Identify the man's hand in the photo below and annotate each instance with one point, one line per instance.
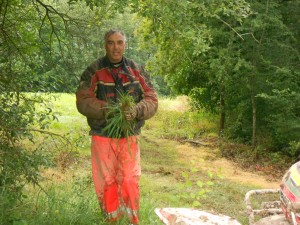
(131, 113)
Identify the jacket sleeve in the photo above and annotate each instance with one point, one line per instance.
(86, 100)
(147, 107)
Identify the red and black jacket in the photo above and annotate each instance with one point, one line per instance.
(101, 84)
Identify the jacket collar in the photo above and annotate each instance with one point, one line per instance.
(124, 66)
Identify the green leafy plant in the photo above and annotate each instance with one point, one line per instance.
(117, 125)
(196, 190)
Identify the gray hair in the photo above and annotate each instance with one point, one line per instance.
(113, 31)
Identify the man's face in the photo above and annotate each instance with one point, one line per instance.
(115, 46)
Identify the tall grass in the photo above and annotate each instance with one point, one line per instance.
(71, 201)
(175, 120)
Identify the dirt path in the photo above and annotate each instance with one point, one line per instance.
(207, 156)
(207, 159)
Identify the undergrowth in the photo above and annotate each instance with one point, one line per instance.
(259, 160)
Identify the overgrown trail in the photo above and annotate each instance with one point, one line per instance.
(165, 161)
(206, 154)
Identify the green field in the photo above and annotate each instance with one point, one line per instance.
(170, 176)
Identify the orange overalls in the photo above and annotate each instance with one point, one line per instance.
(116, 172)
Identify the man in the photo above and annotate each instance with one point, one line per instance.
(115, 164)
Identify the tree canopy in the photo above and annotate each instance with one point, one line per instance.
(238, 59)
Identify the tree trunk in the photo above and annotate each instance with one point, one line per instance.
(253, 115)
(222, 114)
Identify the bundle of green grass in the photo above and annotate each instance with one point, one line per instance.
(116, 124)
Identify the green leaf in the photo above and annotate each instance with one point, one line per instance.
(188, 184)
(185, 174)
(180, 186)
(210, 174)
(209, 183)
(196, 204)
(199, 184)
(193, 195)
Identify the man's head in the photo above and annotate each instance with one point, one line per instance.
(115, 42)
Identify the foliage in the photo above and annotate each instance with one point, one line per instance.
(18, 167)
(196, 190)
(32, 40)
(294, 150)
(25, 147)
(184, 125)
(117, 125)
(260, 159)
(236, 59)
(69, 202)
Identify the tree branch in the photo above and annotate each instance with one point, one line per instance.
(252, 36)
(235, 31)
(49, 12)
(227, 24)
